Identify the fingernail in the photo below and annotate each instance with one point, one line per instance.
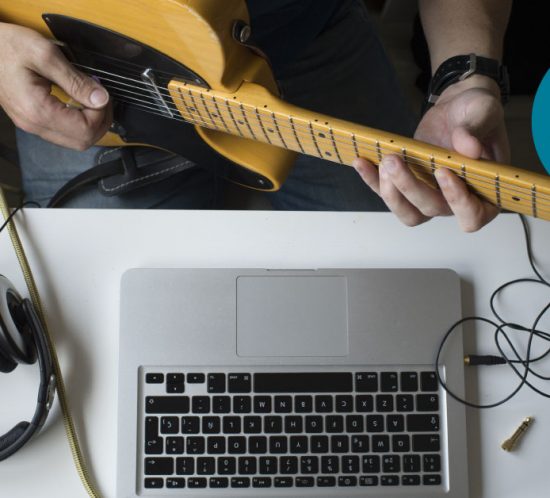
(389, 165)
(99, 97)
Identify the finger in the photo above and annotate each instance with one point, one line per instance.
(426, 200)
(397, 202)
(465, 143)
(50, 63)
(471, 212)
(82, 127)
(78, 142)
(477, 127)
(61, 138)
(368, 172)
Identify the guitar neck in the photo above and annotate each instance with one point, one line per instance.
(254, 113)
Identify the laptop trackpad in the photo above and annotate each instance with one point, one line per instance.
(292, 316)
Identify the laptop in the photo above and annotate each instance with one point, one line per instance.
(247, 382)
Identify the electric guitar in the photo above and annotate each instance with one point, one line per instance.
(183, 78)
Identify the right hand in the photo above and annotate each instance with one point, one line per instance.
(29, 64)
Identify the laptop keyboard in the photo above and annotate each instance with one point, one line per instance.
(362, 428)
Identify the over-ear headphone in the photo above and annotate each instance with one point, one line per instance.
(22, 340)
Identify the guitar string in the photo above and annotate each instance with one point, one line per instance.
(490, 188)
(488, 193)
(173, 107)
(503, 188)
(308, 134)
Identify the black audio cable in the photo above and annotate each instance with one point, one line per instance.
(521, 365)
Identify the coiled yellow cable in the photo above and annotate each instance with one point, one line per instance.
(72, 437)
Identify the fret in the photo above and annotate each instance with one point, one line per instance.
(261, 123)
(379, 151)
(314, 140)
(432, 164)
(355, 147)
(367, 150)
(245, 117)
(497, 189)
(205, 106)
(190, 114)
(323, 144)
(534, 200)
(232, 116)
(219, 114)
(463, 171)
(279, 134)
(404, 155)
(302, 150)
(195, 107)
(335, 146)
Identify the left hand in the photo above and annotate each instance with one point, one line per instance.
(467, 118)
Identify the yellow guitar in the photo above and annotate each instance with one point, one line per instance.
(183, 79)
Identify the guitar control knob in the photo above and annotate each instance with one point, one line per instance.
(241, 31)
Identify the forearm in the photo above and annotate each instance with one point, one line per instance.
(455, 27)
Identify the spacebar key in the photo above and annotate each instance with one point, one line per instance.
(303, 382)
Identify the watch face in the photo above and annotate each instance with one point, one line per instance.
(540, 121)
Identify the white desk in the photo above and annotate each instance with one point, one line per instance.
(78, 258)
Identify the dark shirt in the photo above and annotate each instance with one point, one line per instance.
(284, 28)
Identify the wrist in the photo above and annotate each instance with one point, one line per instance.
(463, 72)
(475, 81)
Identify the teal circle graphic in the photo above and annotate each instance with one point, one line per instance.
(540, 121)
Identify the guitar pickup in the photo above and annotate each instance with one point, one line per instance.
(149, 78)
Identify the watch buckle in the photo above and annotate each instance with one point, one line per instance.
(472, 69)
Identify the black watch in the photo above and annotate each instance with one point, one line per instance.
(459, 68)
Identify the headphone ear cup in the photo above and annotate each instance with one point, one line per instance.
(16, 337)
(7, 365)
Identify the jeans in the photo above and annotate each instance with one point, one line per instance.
(344, 73)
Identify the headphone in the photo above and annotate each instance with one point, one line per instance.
(23, 340)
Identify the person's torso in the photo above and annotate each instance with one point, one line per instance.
(283, 28)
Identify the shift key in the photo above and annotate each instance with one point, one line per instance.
(167, 404)
(423, 423)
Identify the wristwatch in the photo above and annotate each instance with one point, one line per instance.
(460, 67)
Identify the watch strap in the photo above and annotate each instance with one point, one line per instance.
(460, 67)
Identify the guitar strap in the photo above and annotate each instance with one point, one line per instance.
(123, 169)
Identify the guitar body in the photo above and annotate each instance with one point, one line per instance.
(193, 41)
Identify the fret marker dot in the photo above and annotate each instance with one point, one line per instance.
(328, 154)
(240, 122)
(322, 135)
(271, 130)
(516, 199)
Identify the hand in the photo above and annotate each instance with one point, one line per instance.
(29, 63)
(467, 118)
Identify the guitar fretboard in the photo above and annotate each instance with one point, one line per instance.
(255, 114)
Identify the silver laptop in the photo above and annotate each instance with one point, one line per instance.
(240, 382)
